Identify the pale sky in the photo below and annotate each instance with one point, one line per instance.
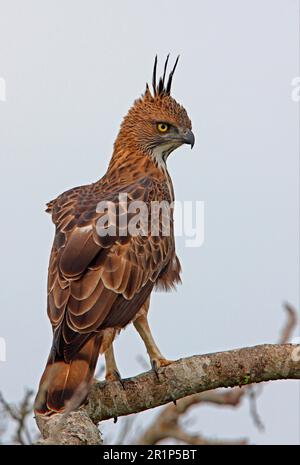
(72, 69)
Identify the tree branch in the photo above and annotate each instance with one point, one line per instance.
(19, 414)
(182, 378)
(167, 424)
(290, 324)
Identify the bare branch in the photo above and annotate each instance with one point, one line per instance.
(252, 393)
(182, 436)
(166, 425)
(290, 324)
(284, 338)
(180, 379)
(74, 428)
(190, 375)
(19, 414)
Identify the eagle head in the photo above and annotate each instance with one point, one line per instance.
(156, 124)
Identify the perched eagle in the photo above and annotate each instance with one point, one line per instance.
(98, 282)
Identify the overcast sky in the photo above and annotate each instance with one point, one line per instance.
(72, 69)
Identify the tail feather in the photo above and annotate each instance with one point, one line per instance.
(65, 384)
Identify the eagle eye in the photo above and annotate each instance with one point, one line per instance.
(163, 127)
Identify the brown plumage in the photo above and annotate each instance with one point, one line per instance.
(98, 284)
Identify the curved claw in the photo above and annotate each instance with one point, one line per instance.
(155, 368)
(114, 376)
(157, 363)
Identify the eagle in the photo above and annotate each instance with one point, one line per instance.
(100, 280)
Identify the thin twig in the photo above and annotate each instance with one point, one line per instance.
(19, 413)
(290, 324)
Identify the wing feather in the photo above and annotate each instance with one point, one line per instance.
(97, 282)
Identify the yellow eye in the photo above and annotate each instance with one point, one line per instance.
(162, 127)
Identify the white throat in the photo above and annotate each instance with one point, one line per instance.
(160, 154)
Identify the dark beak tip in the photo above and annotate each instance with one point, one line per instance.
(191, 139)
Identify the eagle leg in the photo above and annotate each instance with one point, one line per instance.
(157, 360)
(112, 373)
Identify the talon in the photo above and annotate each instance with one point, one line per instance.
(157, 363)
(114, 376)
(163, 362)
(111, 376)
(154, 364)
(119, 378)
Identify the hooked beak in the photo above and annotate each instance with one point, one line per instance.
(189, 138)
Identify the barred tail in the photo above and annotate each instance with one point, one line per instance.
(65, 385)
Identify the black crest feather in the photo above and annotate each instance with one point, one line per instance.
(161, 88)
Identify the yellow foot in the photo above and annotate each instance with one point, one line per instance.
(162, 362)
(157, 363)
(114, 376)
